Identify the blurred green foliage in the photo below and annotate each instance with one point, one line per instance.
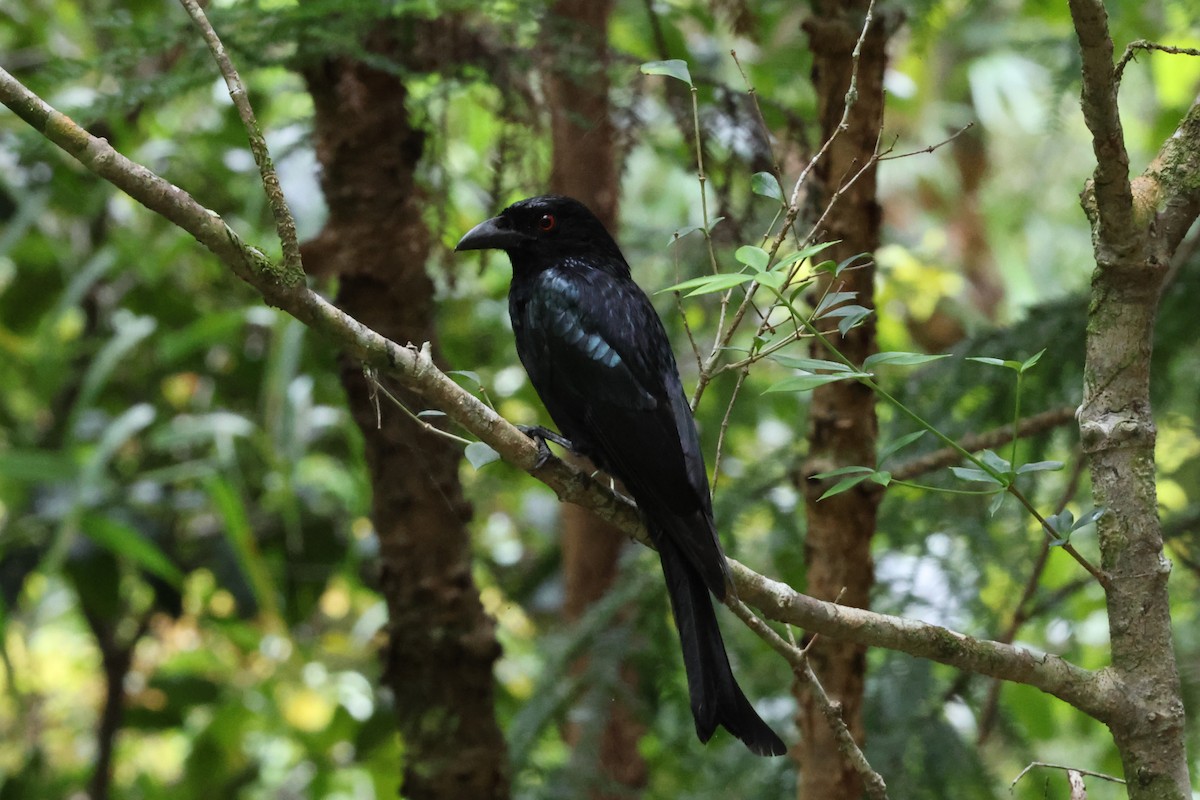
(179, 477)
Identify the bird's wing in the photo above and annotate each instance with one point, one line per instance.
(599, 357)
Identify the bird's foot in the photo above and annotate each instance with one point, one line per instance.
(612, 482)
(542, 435)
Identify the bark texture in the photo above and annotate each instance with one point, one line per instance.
(1136, 227)
(584, 166)
(843, 426)
(441, 648)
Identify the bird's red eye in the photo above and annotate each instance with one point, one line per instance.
(547, 222)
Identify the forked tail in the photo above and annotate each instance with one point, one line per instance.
(716, 697)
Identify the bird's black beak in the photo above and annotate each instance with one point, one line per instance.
(492, 234)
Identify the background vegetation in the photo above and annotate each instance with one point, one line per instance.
(188, 567)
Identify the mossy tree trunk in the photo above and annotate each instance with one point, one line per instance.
(441, 645)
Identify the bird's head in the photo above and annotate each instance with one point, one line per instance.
(541, 230)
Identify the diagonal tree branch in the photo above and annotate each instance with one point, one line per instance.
(1095, 693)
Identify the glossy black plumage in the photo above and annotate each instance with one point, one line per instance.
(598, 356)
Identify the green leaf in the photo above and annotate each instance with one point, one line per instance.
(799, 285)
(851, 316)
(480, 454)
(676, 68)
(123, 540)
(1089, 518)
(843, 485)
(998, 463)
(707, 284)
(830, 300)
(1016, 366)
(882, 477)
(972, 474)
(851, 470)
(753, 256)
(1033, 359)
(896, 445)
(473, 377)
(808, 381)
(1062, 521)
(841, 266)
(1062, 524)
(813, 249)
(997, 501)
(900, 359)
(773, 279)
(810, 364)
(1040, 466)
(995, 362)
(682, 232)
(767, 185)
(806, 252)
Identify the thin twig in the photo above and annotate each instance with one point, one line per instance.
(872, 781)
(373, 394)
(687, 328)
(794, 270)
(703, 179)
(284, 224)
(1024, 609)
(776, 170)
(725, 335)
(929, 148)
(842, 188)
(737, 387)
(1131, 49)
(949, 456)
(1102, 776)
(378, 388)
(1008, 485)
(812, 639)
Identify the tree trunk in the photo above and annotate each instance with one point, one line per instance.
(583, 166)
(438, 662)
(1136, 228)
(843, 426)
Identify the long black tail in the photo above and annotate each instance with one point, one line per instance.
(716, 697)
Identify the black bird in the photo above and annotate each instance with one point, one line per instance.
(599, 358)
